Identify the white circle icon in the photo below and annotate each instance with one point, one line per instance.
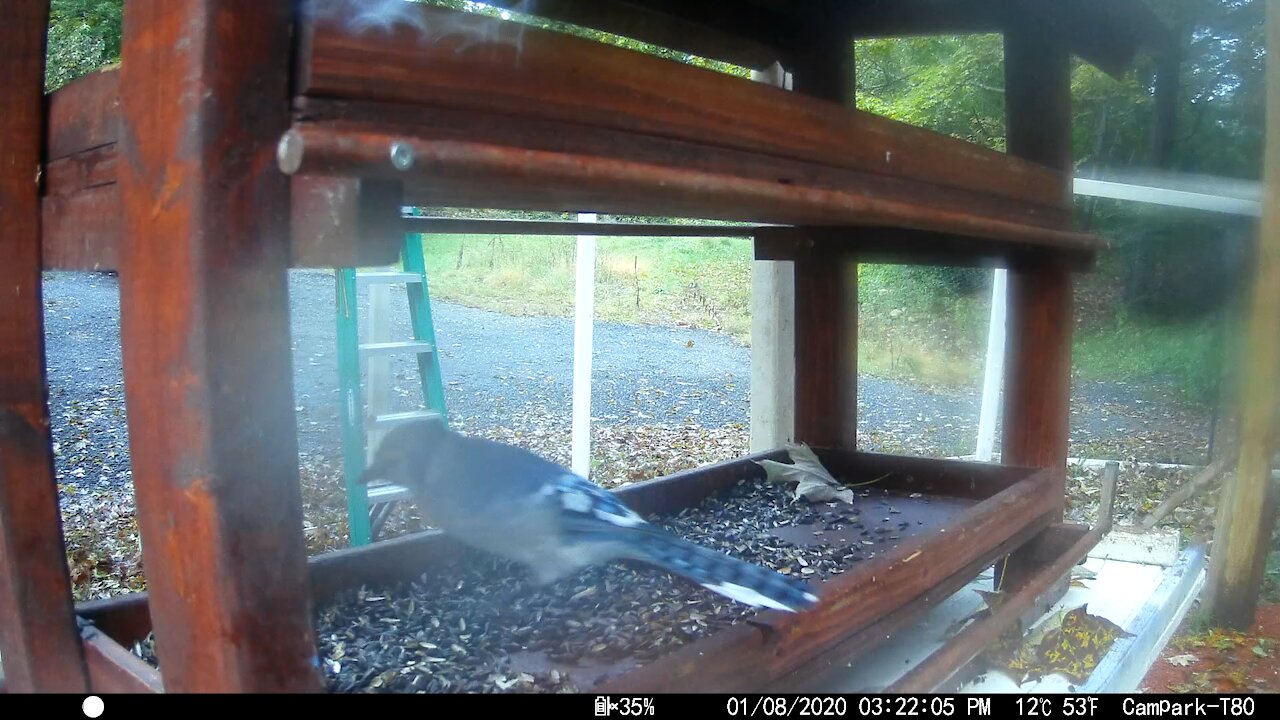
(92, 706)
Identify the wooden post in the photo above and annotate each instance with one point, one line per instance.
(773, 337)
(204, 92)
(826, 293)
(1036, 421)
(39, 642)
(1246, 511)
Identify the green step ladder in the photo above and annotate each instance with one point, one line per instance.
(369, 507)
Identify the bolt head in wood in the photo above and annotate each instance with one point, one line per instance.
(401, 155)
(289, 152)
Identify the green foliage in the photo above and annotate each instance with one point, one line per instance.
(84, 35)
(952, 85)
(600, 36)
(1222, 93)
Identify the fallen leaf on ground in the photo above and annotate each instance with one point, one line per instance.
(1070, 646)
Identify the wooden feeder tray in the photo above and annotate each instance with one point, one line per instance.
(949, 521)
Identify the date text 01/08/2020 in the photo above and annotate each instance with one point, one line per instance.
(860, 705)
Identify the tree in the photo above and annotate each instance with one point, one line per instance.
(84, 35)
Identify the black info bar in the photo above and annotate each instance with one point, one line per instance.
(718, 705)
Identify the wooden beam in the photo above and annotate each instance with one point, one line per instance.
(84, 114)
(81, 231)
(753, 654)
(477, 226)
(1038, 382)
(935, 670)
(1187, 490)
(488, 66)
(205, 329)
(1037, 388)
(1246, 511)
(826, 307)
(113, 669)
(39, 641)
(876, 244)
(819, 389)
(463, 159)
(345, 222)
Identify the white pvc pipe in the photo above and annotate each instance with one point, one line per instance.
(583, 315)
(1167, 196)
(995, 366)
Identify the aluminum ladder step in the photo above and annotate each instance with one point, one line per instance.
(379, 494)
(417, 347)
(390, 420)
(388, 277)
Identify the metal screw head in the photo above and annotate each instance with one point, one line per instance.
(401, 155)
(289, 152)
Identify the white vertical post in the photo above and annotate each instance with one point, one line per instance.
(583, 316)
(995, 366)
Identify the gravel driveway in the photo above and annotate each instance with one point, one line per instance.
(495, 365)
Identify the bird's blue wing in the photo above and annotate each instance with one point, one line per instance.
(586, 507)
(504, 477)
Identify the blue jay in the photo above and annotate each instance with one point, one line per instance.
(516, 505)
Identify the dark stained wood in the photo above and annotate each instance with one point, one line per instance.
(340, 222)
(826, 296)
(81, 171)
(81, 211)
(879, 244)
(1037, 385)
(205, 327)
(481, 160)
(39, 643)
(952, 478)
(939, 667)
(81, 206)
(468, 226)
(484, 65)
(819, 397)
(124, 618)
(113, 669)
(81, 231)
(84, 114)
(747, 657)
(813, 676)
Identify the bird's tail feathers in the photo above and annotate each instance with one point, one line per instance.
(735, 579)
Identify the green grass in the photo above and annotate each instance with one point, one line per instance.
(702, 282)
(907, 333)
(1186, 354)
(913, 326)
